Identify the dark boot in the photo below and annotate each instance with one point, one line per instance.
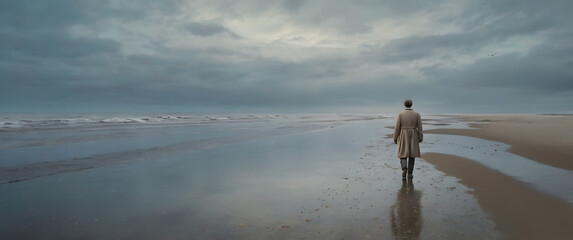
(411, 167)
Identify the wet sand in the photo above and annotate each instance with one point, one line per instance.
(289, 178)
(519, 211)
(543, 138)
(309, 177)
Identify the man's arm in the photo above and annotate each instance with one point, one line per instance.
(420, 130)
(397, 129)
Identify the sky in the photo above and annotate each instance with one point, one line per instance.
(448, 56)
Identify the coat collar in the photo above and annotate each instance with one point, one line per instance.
(408, 108)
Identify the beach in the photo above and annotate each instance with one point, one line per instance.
(293, 176)
(543, 138)
(517, 208)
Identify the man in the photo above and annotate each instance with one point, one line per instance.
(408, 134)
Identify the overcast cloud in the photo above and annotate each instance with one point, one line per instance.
(286, 56)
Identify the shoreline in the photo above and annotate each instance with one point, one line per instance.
(520, 211)
(542, 138)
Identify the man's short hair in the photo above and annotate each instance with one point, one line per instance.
(408, 102)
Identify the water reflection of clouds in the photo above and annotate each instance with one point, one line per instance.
(336, 183)
(554, 181)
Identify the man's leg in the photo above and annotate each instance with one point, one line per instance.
(411, 165)
(404, 165)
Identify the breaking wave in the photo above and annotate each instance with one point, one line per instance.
(55, 121)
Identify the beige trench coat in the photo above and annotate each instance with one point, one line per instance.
(408, 133)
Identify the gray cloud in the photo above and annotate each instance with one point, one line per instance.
(121, 56)
(499, 30)
(54, 44)
(209, 29)
(56, 14)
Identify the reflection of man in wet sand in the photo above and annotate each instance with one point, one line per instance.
(408, 222)
(407, 134)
